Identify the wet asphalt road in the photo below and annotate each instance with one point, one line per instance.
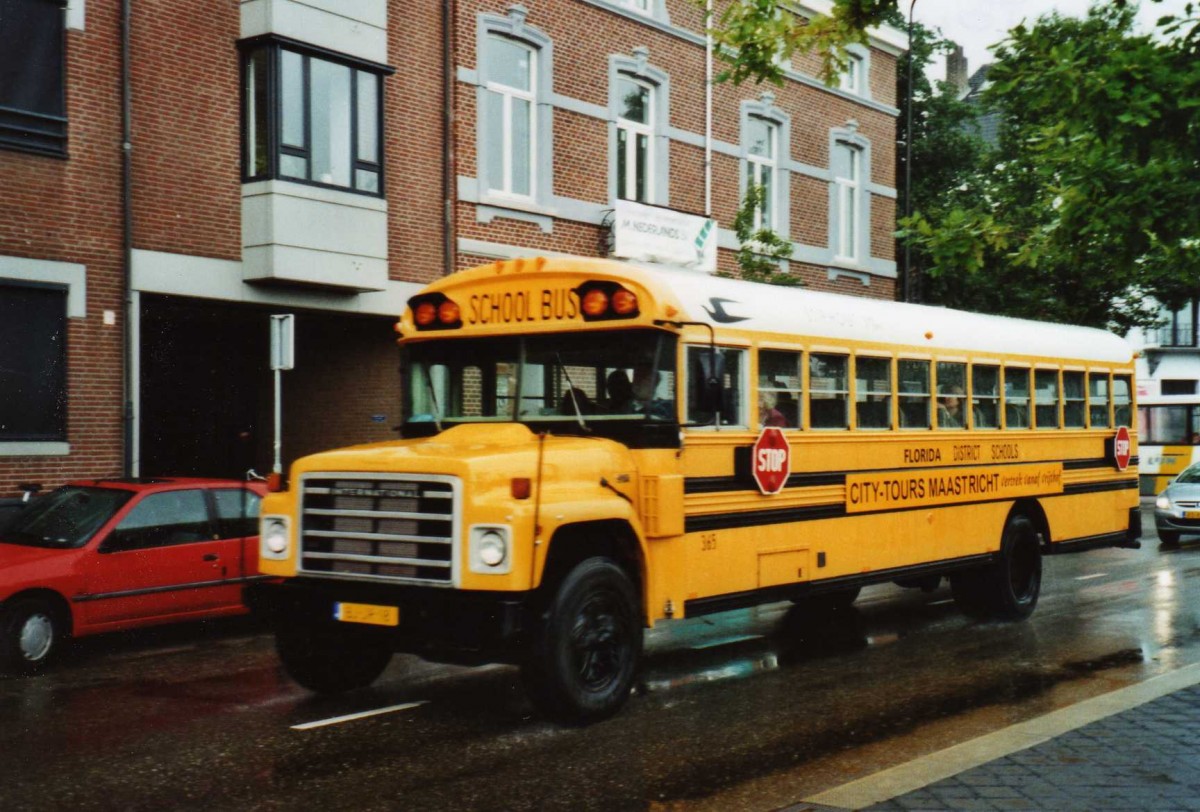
(750, 710)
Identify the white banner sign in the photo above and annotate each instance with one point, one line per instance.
(651, 234)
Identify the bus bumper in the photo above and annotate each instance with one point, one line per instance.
(438, 624)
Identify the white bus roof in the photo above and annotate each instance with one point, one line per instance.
(734, 303)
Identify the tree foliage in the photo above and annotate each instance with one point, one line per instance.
(1088, 205)
(945, 149)
(757, 36)
(761, 250)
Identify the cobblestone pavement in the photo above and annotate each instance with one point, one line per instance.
(1143, 759)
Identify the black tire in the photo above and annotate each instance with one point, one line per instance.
(1007, 589)
(1168, 539)
(586, 645)
(31, 634)
(331, 661)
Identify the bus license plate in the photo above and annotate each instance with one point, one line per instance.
(1191, 514)
(367, 613)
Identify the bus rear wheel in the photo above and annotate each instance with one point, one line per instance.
(586, 645)
(1008, 588)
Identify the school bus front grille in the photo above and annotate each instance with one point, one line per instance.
(379, 527)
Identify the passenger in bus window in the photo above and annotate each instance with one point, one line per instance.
(768, 415)
(950, 414)
(575, 399)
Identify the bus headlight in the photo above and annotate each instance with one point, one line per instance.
(1163, 502)
(274, 538)
(490, 549)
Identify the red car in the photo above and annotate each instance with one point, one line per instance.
(106, 555)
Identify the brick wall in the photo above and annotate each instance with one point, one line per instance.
(346, 374)
(186, 128)
(584, 36)
(413, 139)
(69, 211)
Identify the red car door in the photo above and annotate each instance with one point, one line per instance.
(163, 560)
(236, 511)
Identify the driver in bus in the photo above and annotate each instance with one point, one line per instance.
(645, 385)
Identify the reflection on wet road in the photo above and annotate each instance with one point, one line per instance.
(750, 710)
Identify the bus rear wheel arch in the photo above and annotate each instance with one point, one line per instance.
(1008, 588)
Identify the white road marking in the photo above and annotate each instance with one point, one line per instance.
(352, 716)
(941, 602)
(1090, 577)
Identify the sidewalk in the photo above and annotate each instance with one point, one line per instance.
(1136, 749)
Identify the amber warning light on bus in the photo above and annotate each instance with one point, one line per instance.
(602, 301)
(433, 311)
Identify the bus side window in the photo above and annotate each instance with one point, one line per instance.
(779, 388)
(1046, 397)
(730, 366)
(873, 392)
(828, 391)
(1073, 400)
(1098, 400)
(952, 392)
(985, 391)
(1122, 399)
(1016, 398)
(914, 394)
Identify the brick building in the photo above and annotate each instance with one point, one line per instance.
(173, 173)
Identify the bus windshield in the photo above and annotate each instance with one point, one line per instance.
(579, 382)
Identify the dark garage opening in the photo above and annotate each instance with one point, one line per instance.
(207, 388)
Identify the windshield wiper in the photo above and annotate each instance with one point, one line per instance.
(571, 393)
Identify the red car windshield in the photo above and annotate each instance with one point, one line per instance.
(66, 517)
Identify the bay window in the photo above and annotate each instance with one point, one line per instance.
(312, 116)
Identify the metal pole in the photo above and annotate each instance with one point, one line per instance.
(910, 293)
(708, 107)
(277, 465)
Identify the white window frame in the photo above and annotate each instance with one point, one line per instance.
(507, 94)
(852, 78)
(849, 202)
(758, 167)
(640, 6)
(633, 129)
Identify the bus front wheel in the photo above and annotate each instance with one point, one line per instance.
(1008, 588)
(586, 645)
(330, 661)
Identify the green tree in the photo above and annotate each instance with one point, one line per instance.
(761, 250)
(755, 35)
(1087, 207)
(945, 149)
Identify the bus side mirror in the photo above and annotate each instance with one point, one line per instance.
(711, 374)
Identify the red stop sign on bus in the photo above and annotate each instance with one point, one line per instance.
(1121, 448)
(771, 460)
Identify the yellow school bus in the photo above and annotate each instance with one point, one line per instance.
(591, 448)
